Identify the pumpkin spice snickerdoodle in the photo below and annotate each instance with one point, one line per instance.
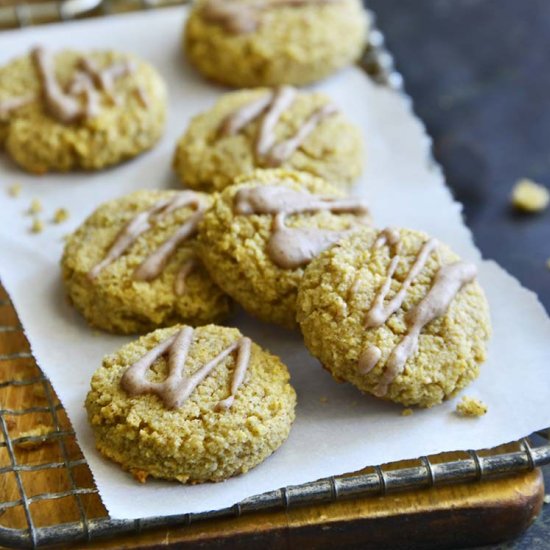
(248, 43)
(397, 314)
(262, 232)
(192, 405)
(132, 265)
(72, 110)
(269, 128)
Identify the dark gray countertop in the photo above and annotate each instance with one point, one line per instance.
(478, 73)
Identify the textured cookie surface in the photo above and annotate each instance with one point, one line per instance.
(336, 311)
(234, 247)
(284, 44)
(209, 161)
(126, 111)
(197, 441)
(115, 300)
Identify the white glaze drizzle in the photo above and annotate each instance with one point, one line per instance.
(272, 106)
(273, 199)
(388, 236)
(153, 265)
(448, 281)
(369, 359)
(62, 106)
(285, 149)
(232, 17)
(10, 104)
(380, 312)
(142, 222)
(282, 100)
(179, 282)
(237, 18)
(66, 106)
(177, 387)
(106, 77)
(236, 121)
(83, 84)
(143, 96)
(243, 360)
(290, 248)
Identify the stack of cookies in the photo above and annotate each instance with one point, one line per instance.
(265, 221)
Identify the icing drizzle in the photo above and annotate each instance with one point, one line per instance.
(177, 387)
(66, 106)
(143, 96)
(285, 149)
(179, 282)
(153, 265)
(271, 106)
(239, 18)
(281, 101)
(447, 282)
(380, 312)
(369, 359)
(290, 248)
(105, 79)
(11, 104)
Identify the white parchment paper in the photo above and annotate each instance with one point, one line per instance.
(349, 431)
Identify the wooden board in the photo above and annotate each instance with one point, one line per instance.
(457, 515)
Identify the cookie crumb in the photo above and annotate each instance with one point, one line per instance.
(471, 407)
(61, 215)
(407, 412)
(37, 226)
(530, 196)
(546, 499)
(323, 399)
(35, 207)
(39, 430)
(15, 190)
(139, 475)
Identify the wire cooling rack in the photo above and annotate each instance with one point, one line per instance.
(62, 466)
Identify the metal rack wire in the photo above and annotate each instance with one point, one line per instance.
(472, 466)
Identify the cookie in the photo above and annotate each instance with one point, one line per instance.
(132, 265)
(191, 405)
(262, 232)
(269, 128)
(248, 43)
(74, 110)
(397, 314)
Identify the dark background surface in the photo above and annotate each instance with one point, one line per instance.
(479, 75)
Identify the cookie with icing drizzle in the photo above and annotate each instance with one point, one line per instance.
(191, 405)
(132, 266)
(262, 232)
(397, 314)
(248, 43)
(269, 128)
(69, 110)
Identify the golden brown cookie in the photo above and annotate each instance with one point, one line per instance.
(262, 231)
(190, 405)
(247, 43)
(397, 314)
(132, 265)
(269, 128)
(72, 110)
